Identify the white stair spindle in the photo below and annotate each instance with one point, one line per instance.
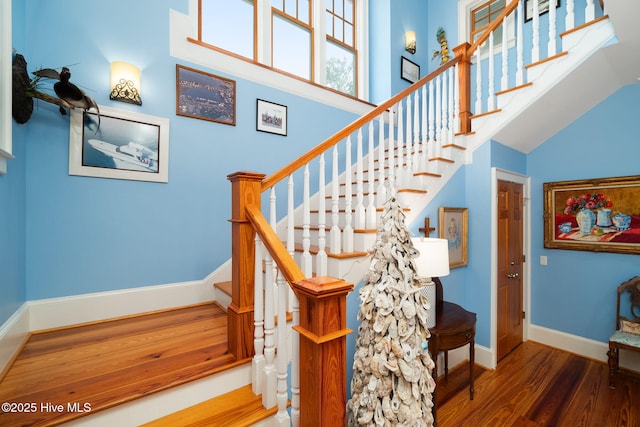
(444, 133)
(408, 144)
(437, 149)
(456, 99)
(295, 360)
(381, 197)
(519, 44)
(335, 235)
(291, 236)
(535, 47)
(400, 182)
(551, 45)
(258, 362)
(491, 93)
(450, 109)
(504, 80)
(590, 11)
(371, 202)
(570, 19)
(431, 123)
(424, 157)
(307, 262)
(269, 379)
(360, 215)
(321, 256)
(416, 133)
(391, 149)
(347, 233)
(478, 109)
(282, 416)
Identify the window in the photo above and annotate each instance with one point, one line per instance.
(314, 40)
(484, 15)
(474, 16)
(291, 46)
(341, 54)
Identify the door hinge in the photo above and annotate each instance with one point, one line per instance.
(524, 316)
(524, 258)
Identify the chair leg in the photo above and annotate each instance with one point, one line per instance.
(613, 364)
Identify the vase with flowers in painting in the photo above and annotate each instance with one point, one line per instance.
(583, 208)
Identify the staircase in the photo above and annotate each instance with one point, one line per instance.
(324, 206)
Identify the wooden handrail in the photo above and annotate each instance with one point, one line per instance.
(276, 177)
(286, 264)
(493, 26)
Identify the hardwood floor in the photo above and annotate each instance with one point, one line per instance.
(100, 365)
(537, 386)
(108, 363)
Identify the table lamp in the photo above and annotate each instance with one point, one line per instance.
(432, 261)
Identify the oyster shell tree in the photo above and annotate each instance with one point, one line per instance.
(392, 383)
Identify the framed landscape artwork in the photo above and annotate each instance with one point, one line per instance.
(205, 96)
(119, 144)
(409, 71)
(600, 214)
(453, 224)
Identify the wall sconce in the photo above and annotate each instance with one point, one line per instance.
(125, 83)
(433, 261)
(410, 41)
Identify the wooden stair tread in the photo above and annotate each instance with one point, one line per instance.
(313, 249)
(224, 287)
(238, 408)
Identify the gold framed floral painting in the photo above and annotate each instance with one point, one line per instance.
(453, 225)
(600, 214)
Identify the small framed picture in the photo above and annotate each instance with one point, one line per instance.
(410, 71)
(205, 96)
(271, 117)
(119, 144)
(453, 224)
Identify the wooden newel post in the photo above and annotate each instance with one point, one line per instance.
(464, 83)
(246, 189)
(323, 331)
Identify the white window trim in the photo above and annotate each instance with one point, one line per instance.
(183, 26)
(464, 25)
(5, 85)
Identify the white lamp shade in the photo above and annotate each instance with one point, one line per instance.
(433, 259)
(124, 71)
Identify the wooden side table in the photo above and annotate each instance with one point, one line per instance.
(454, 328)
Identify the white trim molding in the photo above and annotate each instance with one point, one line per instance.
(6, 55)
(13, 334)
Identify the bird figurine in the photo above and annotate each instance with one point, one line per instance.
(71, 96)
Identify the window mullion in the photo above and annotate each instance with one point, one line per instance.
(263, 32)
(319, 37)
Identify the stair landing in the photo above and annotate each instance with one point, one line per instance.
(68, 373)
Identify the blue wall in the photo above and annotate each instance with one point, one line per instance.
(89, 234)
(387, 27)
(575, 292)
(13, 285)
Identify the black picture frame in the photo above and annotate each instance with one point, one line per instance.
(409, 70)
(271, 117)
(543, 7)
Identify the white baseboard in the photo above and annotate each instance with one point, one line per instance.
(65, 311)
(13, 334)
(581, 346)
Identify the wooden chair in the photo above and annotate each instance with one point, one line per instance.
(627, 334)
